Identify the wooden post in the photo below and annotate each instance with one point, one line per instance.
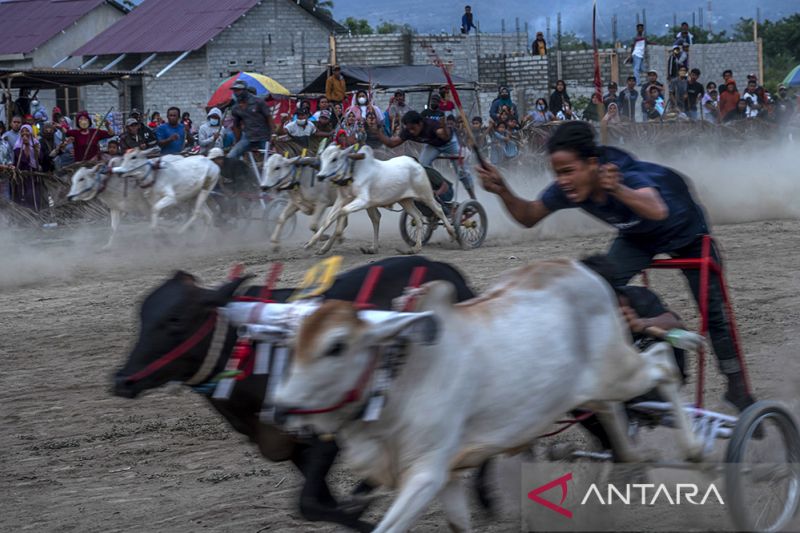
(332, 46)
(760, 44)
(615, 67)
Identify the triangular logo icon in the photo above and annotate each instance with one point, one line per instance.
(558, 482)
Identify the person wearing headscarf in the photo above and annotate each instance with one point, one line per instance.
(26, 158)
(612, 114)
(503, 99)
(86, 139)
(361, 105)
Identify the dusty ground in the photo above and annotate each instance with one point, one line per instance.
(75, 458)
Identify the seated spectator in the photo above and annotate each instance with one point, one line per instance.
(361, 104)
(394, 113)
(627, 100)
(325, 130)
(323, 104)
(466, 21)
(694, 91)
(434, 110)
(728, 98)
(301, 129)
(172, 134)
(684, 35)
(503, 99)
(134, 138)
(738, 113)
(502, 147)
(60, 120)
(539, 45)
(559, 97)
(370, 138)
(335, 87)
(540, 114)
(592, 111)
(212, 133)
(611, 96)
(710, 104)
(85, 139)
(112, 150)
(567, 113)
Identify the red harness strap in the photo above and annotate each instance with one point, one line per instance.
(178, 351)
(353, 395)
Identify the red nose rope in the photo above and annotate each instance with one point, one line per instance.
(178, 351)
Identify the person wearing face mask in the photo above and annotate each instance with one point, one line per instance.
(301, 129)
(503, 99)
(361, 105)
(212, 133)
(540, 115)
(85, 139)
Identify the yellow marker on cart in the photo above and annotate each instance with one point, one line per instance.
(318, 279)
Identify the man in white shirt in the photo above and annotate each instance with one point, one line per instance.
(684, 34)
(638, 49)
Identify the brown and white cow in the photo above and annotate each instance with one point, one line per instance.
(548, 338)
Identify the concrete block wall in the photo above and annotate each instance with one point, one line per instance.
(373, 50)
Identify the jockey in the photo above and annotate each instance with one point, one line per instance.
(438, 138)
(653, 209)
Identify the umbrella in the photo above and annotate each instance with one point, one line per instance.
(793, 79)
(262, 84)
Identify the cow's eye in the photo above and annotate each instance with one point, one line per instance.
(335, 350)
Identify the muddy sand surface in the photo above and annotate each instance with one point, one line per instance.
(75, 458)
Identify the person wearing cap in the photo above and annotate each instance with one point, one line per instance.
(611, 96)
(323, 104)
(335, 86)
(503, 99)
(728, 97)
(627, 100)
(539, 45)
(133, 136)
(211, 133)
(252, 121)
(674, 63)
(783, 107)
(652, 208)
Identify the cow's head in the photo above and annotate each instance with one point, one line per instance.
(86, 183)
(334, 364)
(278, 169)
(334, 161)
(171, 316)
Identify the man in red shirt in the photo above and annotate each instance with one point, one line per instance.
(728, 98)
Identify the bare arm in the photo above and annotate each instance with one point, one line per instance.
(526, 212)
(391, 142)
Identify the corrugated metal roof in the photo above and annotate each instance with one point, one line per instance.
(167, 26)
(26, 25)
(176, 26)
(47, 78)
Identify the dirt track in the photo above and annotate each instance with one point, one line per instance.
(75, 458)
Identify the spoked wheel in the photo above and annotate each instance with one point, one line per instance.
(409, 228)
(471, 224)
(762, 471)
(272, 213)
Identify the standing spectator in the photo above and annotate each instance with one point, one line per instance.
(539, 45)
(627, 100)
(337, 116)
(654, 104)
(652, 81)
(540, 114)
(591, 113)
(394, 113)
(171, 135)
(466, 21)
(694, 91)
(60, 120)
(638, 50)
(612, 114)
(38, 111)
(728, 98)
(49, 141)
(11, 136)
(323, 104)
(760, 92)
(434, 111)
(23, 102)
(710, 104)
(252, 121)
(26, 157)
(155, 120)
(186, 120)
(85, 140)
(301, 129)
(112, 150)
(6, 156)
(679, 91)
(737, 113)
(445, 104)
(754, 107)
(335, 87)
(212, 133)
(133, 137)
(361, 104)
(674, 63)
(503, 99)
(683, 59)
(783, 106)
(726, 75)
(145, 134)
(559, 97)
(684, 34)
(612, 94)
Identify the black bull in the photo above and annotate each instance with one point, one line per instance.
(174, 312)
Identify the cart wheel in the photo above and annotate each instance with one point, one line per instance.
(409, 229)
(471, 224)
(762, 472)
(272, 213)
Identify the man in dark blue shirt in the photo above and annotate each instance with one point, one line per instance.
(651, 206)
(172, 134)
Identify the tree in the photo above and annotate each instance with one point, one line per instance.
(390, 27)
(781, 45)
(357, 26)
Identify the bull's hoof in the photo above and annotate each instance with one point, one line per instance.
(324, 238)
(321, 251)
(407, 251)
(308, 245)
(314, 511)
(368, 250)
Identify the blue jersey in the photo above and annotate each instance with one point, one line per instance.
(683, 224)
(165, 131)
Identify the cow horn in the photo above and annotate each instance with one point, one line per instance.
(358, 157)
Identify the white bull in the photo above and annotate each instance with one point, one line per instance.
(172, 180)
(120, 195)
(368, 183)
(306, 194)
(547, 339)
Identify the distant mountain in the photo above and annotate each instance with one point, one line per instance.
(576, 15)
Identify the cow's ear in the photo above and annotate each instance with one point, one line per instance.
(185, 277)
(422, 328)
(224, 294)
